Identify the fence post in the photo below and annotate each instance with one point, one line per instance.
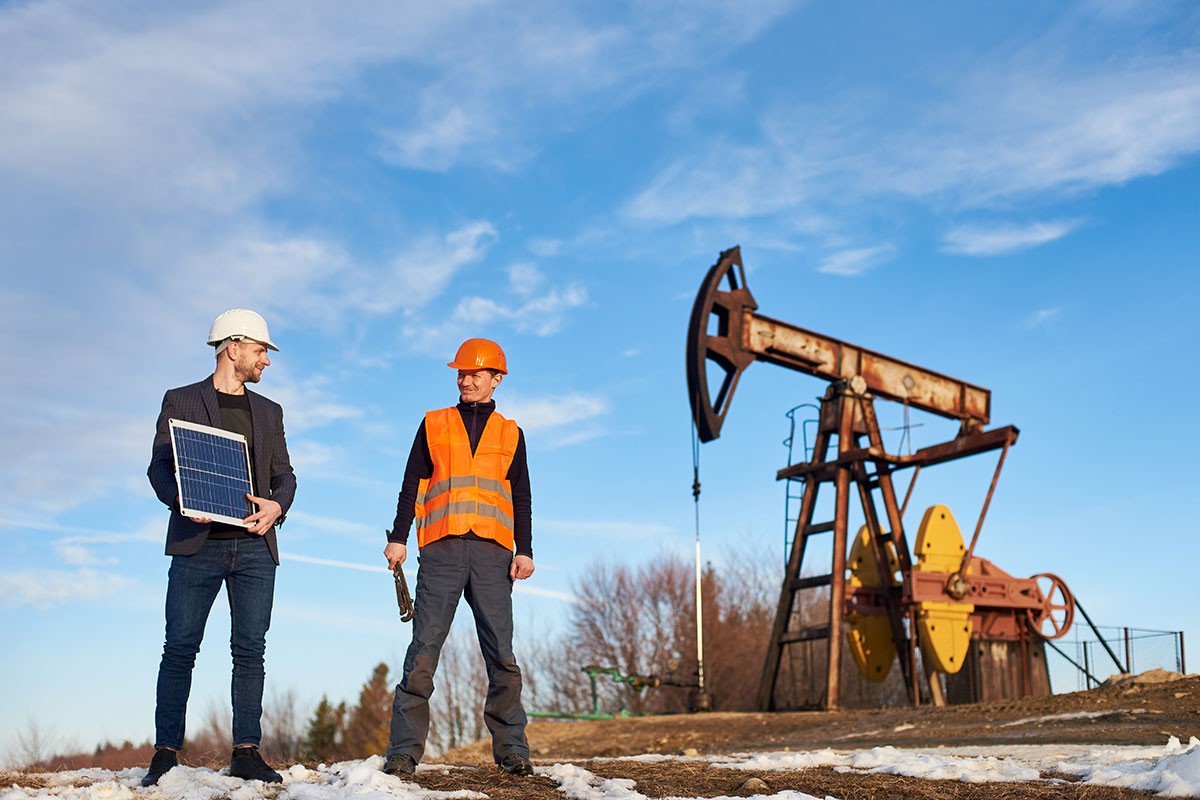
(1182, 663)
(1128, 653)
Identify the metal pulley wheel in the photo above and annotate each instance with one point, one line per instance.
(1058, 607)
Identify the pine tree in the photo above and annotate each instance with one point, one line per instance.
(324, 739)
(369, 724)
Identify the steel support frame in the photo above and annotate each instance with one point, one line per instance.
(849, 415)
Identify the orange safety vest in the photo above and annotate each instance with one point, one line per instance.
(467, 492)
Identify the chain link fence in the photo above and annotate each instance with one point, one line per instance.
(1081, 662)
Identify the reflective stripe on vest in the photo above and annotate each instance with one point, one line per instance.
(467, 492)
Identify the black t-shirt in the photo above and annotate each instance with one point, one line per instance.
(235, 417)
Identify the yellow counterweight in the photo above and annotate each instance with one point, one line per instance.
(943, 628)
(870, 636)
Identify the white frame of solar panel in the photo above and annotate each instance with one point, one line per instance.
(187, 502)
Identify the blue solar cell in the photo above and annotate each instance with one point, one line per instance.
(212, 468)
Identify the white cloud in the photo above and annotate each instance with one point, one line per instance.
(59, 448)
(724, 181)
(525, 278)
(511, 64)
(45, 589)
(979, 240)
(159, 140)
(307, 454)
(329, 562)
(436, 143)
(545, 413)
(855, 261)
(540, 315)
(308, 403)
(1018, 124)
(150, 531)
(569, 438)
(1100, 130)
(424, 270)
(545, 315)
(1040, 317)
(1042, 124)
(77, 555)
(286, 276)
(545, 248)
(157, 101)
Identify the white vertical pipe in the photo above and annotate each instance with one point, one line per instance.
(699, 620)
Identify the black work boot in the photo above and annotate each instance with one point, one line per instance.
(400, 764)
(516, 764)
(163, 762)
(246, 763)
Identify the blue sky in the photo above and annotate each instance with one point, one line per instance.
(1006, 193)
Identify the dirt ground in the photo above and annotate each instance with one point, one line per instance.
(1139, 710)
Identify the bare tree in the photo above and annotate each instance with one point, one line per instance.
(640, 621)
(212, 744)
(553, 674)
(740, 597)
(629, 620)
(283, 733)
(456, 707)
(35, 745)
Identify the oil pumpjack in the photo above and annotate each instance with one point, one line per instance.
(959, 626)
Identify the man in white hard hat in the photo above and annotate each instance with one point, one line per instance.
(206, 554)
(467, 488)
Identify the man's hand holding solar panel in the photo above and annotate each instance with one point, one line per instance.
(257, 523)
(212, 468)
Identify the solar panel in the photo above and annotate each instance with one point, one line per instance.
(212, 469)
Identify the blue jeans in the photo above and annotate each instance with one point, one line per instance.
(451, 568)
(247, 570)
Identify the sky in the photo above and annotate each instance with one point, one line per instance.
(1170, 770)
(1004, 193)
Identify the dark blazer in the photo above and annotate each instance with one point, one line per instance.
(273, 475)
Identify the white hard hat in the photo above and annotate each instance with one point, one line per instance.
(240, 323)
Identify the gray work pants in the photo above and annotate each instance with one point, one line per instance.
(451, 568)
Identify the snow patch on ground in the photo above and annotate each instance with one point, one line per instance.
(1172, 770)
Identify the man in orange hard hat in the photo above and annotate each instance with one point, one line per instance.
(467, 487)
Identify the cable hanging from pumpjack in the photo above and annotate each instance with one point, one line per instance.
(403, 598)
(696, 460)
(699, 575)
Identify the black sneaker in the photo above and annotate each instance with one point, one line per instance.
(247, 764)
(516, 764)
(163, 762)
(400, 764)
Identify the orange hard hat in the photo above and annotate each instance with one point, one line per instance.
(476, 354)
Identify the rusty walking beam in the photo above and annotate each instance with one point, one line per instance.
(725, 332)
